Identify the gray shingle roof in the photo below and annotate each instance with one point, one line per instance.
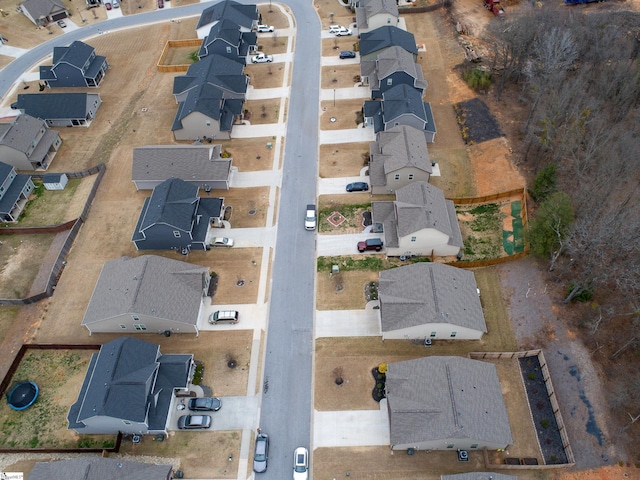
(174, 203)
(425, 293)
(368, 8)
(147, 285)
(401, 100)
(40, 9)
(20, 133)
(96, 468)
(397, 59)
(438, 398)
(75, 54)
(209, 100)
(187, 162)
(243, 15)
(220, 71)
(397, 148)
(55, 105)
(384, 37)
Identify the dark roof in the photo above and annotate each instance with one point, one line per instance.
(5, 170)
(174, 203)
(12, 194)
(52, 177)
(243, 15)
(97, 468)
(75, 54)
(387, 36)
(217, 70)
(49, 106)
(209, 100)
(401, 100)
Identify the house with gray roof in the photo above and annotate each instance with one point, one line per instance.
(216, 70)
(245, 16)
(446, 403)
(478, 476)
(147, 294)
(15, 190)
(397, 158)
(430, 300)
(373, 42)
(60, 109)
(400, 105)
(419, 222)
(226, 39)
(43, 12)
(393, 66)
(130, 387)
(372, 14)
(74, 66)
(99, 468)
(174, 217)
(200, 165)
(28, 144)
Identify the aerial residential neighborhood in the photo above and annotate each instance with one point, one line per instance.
(301, 239)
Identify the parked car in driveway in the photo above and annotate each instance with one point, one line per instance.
(107, 5)
(194, 422)
(160, 3)
(341, 31)
(221, 242)
(264, 28)
(205, 404)
(358, 187)
(335, 28)
(262, 58)
(347, 54)
(228, 316)
(370, 244)
(62, 24)
(261, 453)
(300, 464)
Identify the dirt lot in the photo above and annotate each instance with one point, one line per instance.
(344, 160)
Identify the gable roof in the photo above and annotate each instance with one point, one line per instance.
(403, 99)
(425, 293)
(97, 468)
(40, 9)
(399, 147)
(148, 285)
(210, 101)
(387, 36)
(243, 15)
(54, 105)
(21, 132)
(187, 162)
(75, 54)
(397, 59)
(217, 70)
(174, 203)
(461, 399)
(368, 8)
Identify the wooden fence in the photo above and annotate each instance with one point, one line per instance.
(552, 398)
(162, 67)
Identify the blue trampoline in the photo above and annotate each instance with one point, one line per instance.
(23, 395)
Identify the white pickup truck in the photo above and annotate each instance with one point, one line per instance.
(262, 58)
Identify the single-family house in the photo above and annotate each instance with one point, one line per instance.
(74, 66)
(372, 14)
(216, 70)
(430, 301)
(199, 165)
(226, 39)
(147, 294)
(28, 144)
(174, 217)
(478, 476)
(393, 66)
(446, 403)
(419, 222)
(55, 181)
(373, 42)
(245, 16)
(397, 158)
(400, 105)
(43, 12)
(60, 109)
(99, 468)
(130, 387)
(15, 190)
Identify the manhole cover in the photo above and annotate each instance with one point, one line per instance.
(252, 211)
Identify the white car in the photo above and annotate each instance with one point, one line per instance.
(262, 58)
(300, 464)
(310, 217)
(335, 28)
(339, 30)
(265, 28)
(221, 242)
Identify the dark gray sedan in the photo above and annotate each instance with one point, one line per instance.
(358, 187)
(194, 422)
(261, 453)
(205, 404)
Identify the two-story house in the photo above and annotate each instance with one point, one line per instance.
(15, 190)
(372, 14)
(245, 16)
(60, 109)
(227, 39)
(375, 41)
(43, 12)
(393, 66)
(28, 144)
(74, 66)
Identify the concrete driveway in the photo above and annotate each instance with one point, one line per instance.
(347, 323)
(334, 245)
(351, 428)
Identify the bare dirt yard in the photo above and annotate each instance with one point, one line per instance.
(344, 160)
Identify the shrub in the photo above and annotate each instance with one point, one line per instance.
(531, 376)
(477, 79)
(544, 423)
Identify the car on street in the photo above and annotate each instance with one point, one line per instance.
(370, 244)
(341, 31)
(265, 28)
(261, 453)
(107, 5)
(62, 24)
(194, 422)
(262, 58)
(310, 218)
(347, 54)
(221, 242)
(300, 464)
(205, 404)
(358, 187)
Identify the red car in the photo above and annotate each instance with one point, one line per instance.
(107, 5)
(160, 3)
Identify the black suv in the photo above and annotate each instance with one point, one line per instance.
(370, 244)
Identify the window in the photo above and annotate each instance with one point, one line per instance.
(397, 176)
(411, 176)
(453, 334)
(475, 445)
(389, 82)
(228, 49)
(450, 445)
(413, 239)
(141, 327)
(126, 422)
(208, 123)
(176, 233)
(135, 318)
(433, 334)
(123, 326)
